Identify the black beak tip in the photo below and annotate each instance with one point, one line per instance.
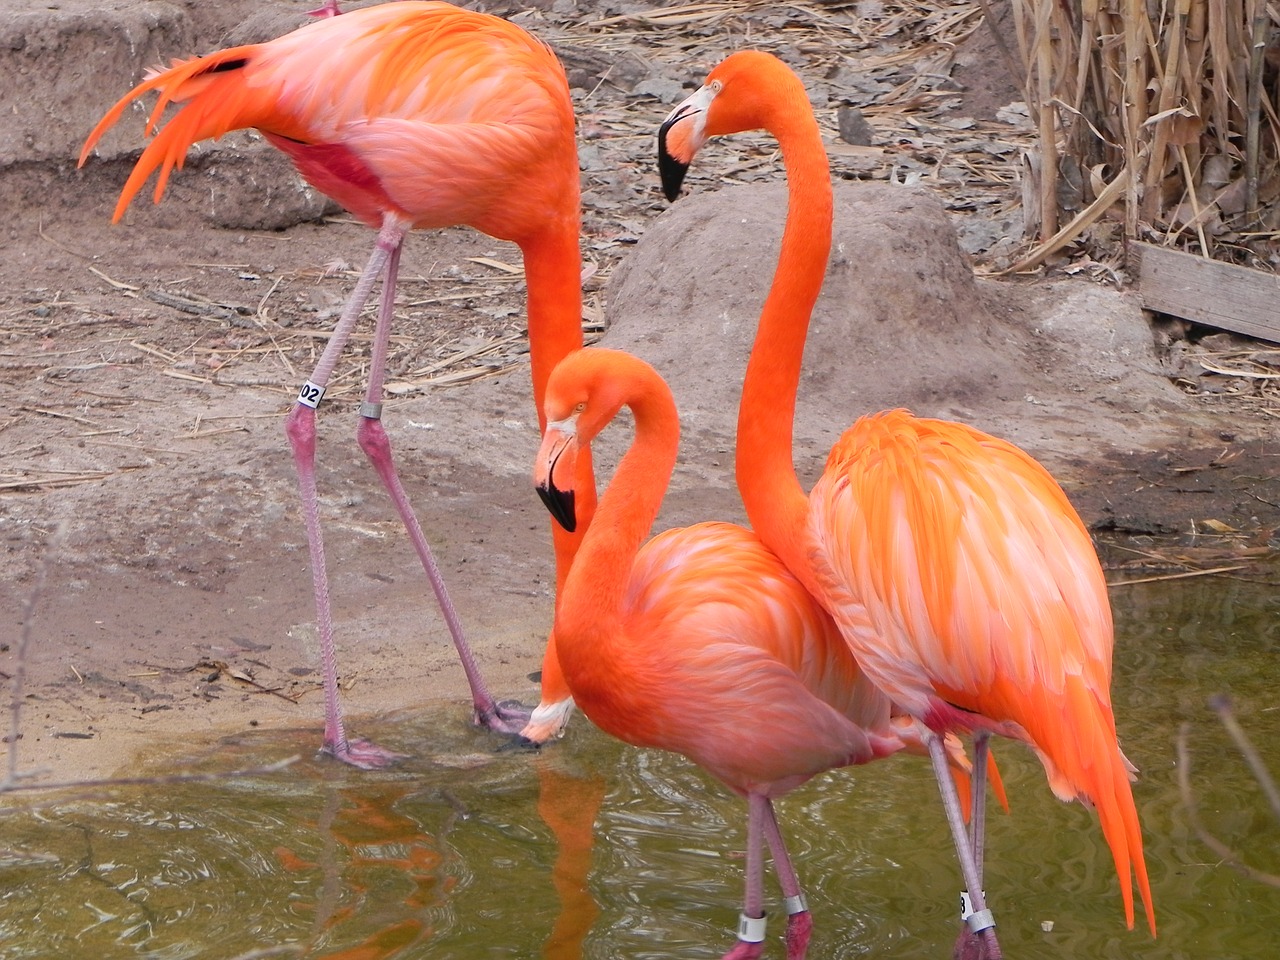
(559, 504)
(670, 169)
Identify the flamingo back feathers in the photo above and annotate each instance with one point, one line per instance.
(442, 107)
(972, 595)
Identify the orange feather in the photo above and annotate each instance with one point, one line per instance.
(961, 577)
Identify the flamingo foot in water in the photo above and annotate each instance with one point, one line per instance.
(968, 946)
(507, 717)
(364, 754)
(799, 929)
(975, 946)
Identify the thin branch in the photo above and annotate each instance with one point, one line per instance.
(1224, 852)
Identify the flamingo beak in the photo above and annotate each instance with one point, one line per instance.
(681, 135)
(558, 455)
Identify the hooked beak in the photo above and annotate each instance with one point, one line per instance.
(558, 454)
(681, 135)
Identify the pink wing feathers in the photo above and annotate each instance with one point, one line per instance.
(422, 108)
(978, 622)
(771, 676)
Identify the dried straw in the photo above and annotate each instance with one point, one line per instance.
(1173, 100)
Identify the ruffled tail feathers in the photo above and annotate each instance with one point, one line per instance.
(185, 81)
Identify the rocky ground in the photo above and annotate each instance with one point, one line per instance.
(145, 368)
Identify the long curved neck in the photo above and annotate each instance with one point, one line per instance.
(590, 608)
(553, 272)
(553, 275)
(775, 502)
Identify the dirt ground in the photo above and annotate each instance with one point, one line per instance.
(146, 368)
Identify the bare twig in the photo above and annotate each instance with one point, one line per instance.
(1229, 856)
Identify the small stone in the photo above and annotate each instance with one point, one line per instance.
(853, 126)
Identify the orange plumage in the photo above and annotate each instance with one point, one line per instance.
(961, 578)
(423, 109)
(701, 641)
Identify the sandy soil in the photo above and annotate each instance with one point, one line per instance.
(146, 369)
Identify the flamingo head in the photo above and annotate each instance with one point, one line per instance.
(583, 394)
(748, 90)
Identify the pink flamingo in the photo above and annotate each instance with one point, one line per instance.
(961, 578)
(700, 642)
(410, 115)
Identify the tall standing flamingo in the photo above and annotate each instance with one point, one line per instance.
(960, 575)
(700, 642)
(410, 115)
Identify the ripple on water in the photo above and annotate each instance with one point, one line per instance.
(450, 855)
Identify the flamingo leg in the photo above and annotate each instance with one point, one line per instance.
(509, 717)
(980, 921)
(799, 920)
(750, 945)
(300, 427)
(330, 9)
(968, 945)
(978, 816)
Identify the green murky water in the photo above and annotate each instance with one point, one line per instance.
(593, 850)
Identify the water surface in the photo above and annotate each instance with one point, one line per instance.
(591, 849)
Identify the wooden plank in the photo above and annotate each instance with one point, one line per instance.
(1206, 291)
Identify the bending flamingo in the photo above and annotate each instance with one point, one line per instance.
(961, 577)
(700, 642)
(410, 115)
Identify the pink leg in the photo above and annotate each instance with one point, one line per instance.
(508, 718)
(300, 426)
(330, 9)
(799, 920)
(968, 945)
(980, 922)
(750, 944)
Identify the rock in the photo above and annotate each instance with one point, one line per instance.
(853, 126)
(902, 321)
(61, 68)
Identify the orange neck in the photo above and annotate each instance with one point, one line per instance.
(588, 620)
(553, 271)
(775, 502)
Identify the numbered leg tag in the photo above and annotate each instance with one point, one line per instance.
(966, 904)
(310, 395)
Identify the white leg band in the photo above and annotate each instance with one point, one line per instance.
(796, 904)
(981, 920)
(750, 929)
(310, 394)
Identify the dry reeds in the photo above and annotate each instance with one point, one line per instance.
(1170, 106)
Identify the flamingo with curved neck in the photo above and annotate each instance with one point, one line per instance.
(961, 577)
(700, 641)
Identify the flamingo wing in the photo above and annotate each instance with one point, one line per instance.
(971, 594)
(960, 561)
(726, 662)
(421, 109)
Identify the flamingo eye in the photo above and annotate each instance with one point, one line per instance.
(716, 86)
(580, 407)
